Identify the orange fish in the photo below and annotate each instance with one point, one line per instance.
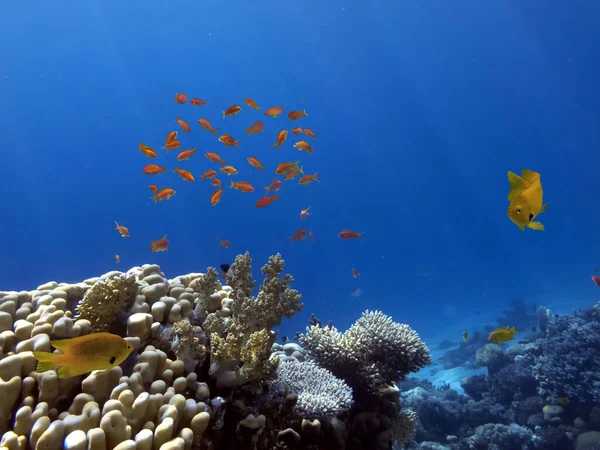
(312, 237)
(171, 136)
(123, 230)
(180, 98)
(292, 174)
(251, 103)
(303, 145)
(153, 188)
(216, 182)
(183, 124)
(307, 179)
(242, 186)
(117, 259)
(148, 151)
(349, 234)
(214, 157)
(184, 155)
(266, 201)
(163, 194)
(308, 132)
(274, 186)
(210, 173)
(304, 213)
(228, 141)
(206, 125)
(355, 273)
(231, 111)
(281, 137)
(229, 170)
(160, 245)
(274, 111)
(197, 102)
(225, 243)
(257, 127)
(298, 235)
(153, 169)
(255, 163)
(297, 130)
(286, 167)
(216, 197)
(184, 174)
(295, 115)
(172, 145)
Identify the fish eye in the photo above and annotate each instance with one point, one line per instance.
(518, 210)
(112, 360)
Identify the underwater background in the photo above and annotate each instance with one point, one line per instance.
(420, 110)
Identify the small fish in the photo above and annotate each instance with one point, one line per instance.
(184, 155)
(307, 179)
(172, 145)
(308, 132)
(257, 127)
(293, 174)
(254, 162)
(84, 354)
(295, 115)
(242, 186)
(274, 186)
(285, 167)
(153, 188)
(355, 273)
(122, 230)
(210, 173)
(148, 151)
(297, 130)
(224, 243)
(159, 245)
(225, 271)
(501, 335)
(206, 125)
(298, 235)
(180, 98)
(216, 182)
(465, 336)
(303, 146)
(596, 280)
(198, 102)
(349, 234)
(231, 111)
(117, 258)
(228, 141)
(274, 111)
(153, 169)
(251, 103)
(525, 198)
(229, 170)
(304, 213)
(185, 175)
(281, 138)
(171, 136)
(266, 201)
(216, 197)
(163, 194)
(183, 124)
(214, 157)
(284, 339)
(312, 236)
(357, 292)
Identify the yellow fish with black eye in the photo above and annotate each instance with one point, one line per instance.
(525, 198)
(83, 354)
(501, 335)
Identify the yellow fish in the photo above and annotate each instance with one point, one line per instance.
(501, 335)
(97, 351)
(525, 198)
(465, 336)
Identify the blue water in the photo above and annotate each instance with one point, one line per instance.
(421, 107)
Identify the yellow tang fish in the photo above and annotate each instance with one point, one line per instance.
(97, 351)
(501, 335)
(525, 198)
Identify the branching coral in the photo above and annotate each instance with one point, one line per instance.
(189, 346)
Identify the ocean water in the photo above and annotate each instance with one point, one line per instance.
(420, 109)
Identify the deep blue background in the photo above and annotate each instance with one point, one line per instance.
(421, 107)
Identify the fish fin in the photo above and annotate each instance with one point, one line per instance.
(536, 226)
(67, 372)
(46, 361)
(513, 330)
(530, 176)
(276, 197)
(63, 344)
(517, 185)
(247, 131)
(521, 227)
(544, 207)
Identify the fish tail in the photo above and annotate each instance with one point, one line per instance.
(176, 95)
(163, 169)
(276, 197)
(232, 185)
(116, 223)
(247, 131)
(236, 143)
(315, 177)
(215, 131)
(46, 361)
(223, 114)
(155, 198)
(304, 112)
(545, 207)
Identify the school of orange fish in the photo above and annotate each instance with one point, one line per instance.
(288, 170)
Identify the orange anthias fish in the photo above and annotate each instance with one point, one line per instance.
(295, 115)
(214, 157)
(184, 155)
(206, 125)
(242, 186)
(257, 127)
(308, 132)
(231, 111)
(228, 141)
(183, 124)
(281, 138)
(171, 136)
(304, 213)
(254, 162)
(298, 235)
(297, 130)
(122, 230)
(216, 197)
(172, 145)
(210, 173)
(274, 111)
(502, 335)
(224, 243)
(184, 174)
(148, 151)
(117, 259)
(307, 179)
(251, 103)
(303, 146)
(312, 236)
(229, 170)
(286, 167)
(83, 354)
(153, 188)
(355, 273)
(198, 102)
(160, 245)
(163, 194)
(274, 186)
(349, 234)
(216, 182)
(153, 169)
(180, 98)
(266, 201)
(292, 174)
